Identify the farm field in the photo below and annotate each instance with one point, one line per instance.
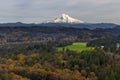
(76, 46)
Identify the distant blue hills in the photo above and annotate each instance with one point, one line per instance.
(68, 25)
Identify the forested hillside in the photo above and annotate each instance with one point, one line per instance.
(44, 62)
(32, 54)
(21, 35)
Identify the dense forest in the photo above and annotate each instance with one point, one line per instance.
(110, 44)
(31, 54)
(44, 62)
(22, 35)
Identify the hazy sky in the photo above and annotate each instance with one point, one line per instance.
(43, 10)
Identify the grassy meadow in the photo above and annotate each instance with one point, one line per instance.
(76, 46)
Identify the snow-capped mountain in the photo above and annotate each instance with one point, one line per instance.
(62, 21)
(64, 18)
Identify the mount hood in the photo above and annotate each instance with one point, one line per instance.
(64, 18)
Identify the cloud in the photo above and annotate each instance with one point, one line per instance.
(40, 10)
(23, 3)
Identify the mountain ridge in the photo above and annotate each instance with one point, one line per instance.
(62, 21)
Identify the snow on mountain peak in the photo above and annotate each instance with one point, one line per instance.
(64, 18)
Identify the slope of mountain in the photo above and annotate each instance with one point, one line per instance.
(64, 18)
(66, 21)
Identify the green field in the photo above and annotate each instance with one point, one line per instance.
(76, 46)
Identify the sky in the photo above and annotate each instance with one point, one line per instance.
(37, 11)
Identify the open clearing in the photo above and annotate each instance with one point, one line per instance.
(76, 46)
